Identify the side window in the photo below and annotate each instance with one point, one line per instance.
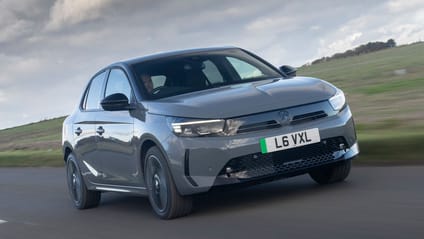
(212, 72)
(118, 83)
(92, 99)
(244, 69)
(158, 80)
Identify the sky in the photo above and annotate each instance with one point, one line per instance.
(49, 49)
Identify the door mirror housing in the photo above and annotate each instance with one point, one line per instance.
(116, 102)
(288, 70)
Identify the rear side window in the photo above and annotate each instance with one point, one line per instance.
(158, 81)
(92, 101)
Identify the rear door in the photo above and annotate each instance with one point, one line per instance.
(84, 129)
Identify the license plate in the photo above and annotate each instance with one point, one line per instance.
(288, 141)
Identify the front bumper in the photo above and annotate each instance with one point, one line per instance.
(288, 163)
(197, 164)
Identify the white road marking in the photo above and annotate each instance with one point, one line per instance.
(2, 221)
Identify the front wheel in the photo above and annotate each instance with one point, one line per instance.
(80, 195)
(163, 195)
(332, 173)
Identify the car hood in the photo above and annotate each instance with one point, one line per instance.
(243, 99)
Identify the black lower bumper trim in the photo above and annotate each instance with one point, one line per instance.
(285, 162)
(187, 168)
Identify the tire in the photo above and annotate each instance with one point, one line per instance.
(164, 198)
(80, 195)
(332, 173)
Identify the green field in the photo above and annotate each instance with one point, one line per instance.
(36, 144)
(385, 90)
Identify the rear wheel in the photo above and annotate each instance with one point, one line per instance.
(80, 195)
(332, 173)
(163, 195)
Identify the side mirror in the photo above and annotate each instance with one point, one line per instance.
(116, 102)
(288, 70)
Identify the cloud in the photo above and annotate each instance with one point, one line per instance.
(281, 23)
(315, 28)
(49, 49)
(407, 27)
(329, 48)
(347, 36)
(71, 12)
(396, 6)
(15, 30)
(2, 97)
(18, 70)
(16, 22)
(400, 20)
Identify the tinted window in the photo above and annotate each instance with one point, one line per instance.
(212, 72)
(244, 69)
(158, 81)
(199, 71)
(92, 101)
(118, 83)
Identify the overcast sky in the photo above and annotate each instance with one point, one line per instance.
(50, 48)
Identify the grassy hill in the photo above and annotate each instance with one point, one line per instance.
(35, 144)
(385, 90)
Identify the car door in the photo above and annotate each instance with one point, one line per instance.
(115, 129)
(84, 129)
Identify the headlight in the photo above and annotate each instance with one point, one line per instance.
(193, 127)
(338, 100)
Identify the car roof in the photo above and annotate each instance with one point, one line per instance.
(172, 53)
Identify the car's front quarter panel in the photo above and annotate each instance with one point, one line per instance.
(151, 128)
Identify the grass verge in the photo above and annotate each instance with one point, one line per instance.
(390, 148)
(378, 147)
(31, 158)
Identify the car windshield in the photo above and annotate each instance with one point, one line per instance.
(186, 73)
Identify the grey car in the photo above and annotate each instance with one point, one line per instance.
(180, 123)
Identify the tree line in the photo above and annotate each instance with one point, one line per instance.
(362, 49)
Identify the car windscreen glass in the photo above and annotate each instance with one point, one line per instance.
(194, 72)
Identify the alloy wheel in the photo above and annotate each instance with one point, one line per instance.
(157, 183)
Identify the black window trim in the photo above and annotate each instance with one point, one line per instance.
(87, 90)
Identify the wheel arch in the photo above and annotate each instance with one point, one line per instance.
(67, 150)
(148, 141)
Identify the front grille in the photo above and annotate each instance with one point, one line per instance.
(272, 120)
(308, 117)
(286, 161)
(271, 124)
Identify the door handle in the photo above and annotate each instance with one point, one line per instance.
(78, 131)
(100, 130)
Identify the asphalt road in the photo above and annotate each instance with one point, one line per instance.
(375, 202)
